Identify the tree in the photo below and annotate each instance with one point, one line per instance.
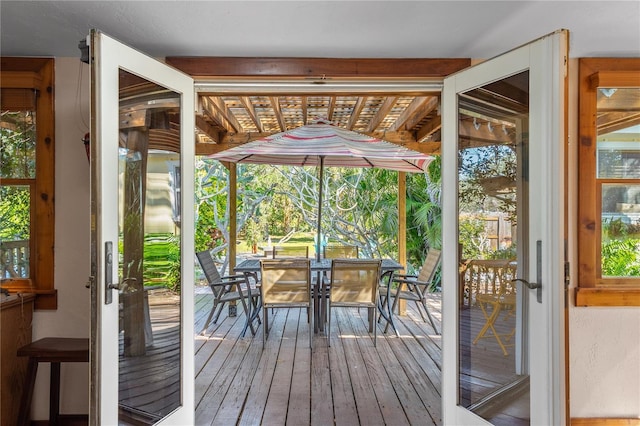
(212, 206)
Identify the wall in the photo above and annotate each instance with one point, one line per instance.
(73, 316)
(604, 343)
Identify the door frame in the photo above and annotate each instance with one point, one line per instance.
(546, 59)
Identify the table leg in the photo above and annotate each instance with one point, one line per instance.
(386, 309)
(54, 394)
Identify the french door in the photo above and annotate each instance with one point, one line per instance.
(142, 144)
(503, 297)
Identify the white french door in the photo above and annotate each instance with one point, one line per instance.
(142, 138)
(503, 150)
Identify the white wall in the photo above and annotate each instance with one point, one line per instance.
(604, 343)
(73, 316)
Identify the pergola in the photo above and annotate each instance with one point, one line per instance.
(243, 99)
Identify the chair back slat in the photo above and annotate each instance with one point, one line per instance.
(354, 281)
(340, 252)
(429, 266)
(286, 281)
(290, 251)
(210, 270)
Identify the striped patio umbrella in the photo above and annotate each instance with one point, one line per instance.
(322, 144)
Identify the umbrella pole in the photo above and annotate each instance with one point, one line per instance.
(319, 230)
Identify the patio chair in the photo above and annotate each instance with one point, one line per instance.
(415, 287)
(286, 283)
(500, 297)
(340, 252)
(290, 251)
(226, 289)
(354, 284)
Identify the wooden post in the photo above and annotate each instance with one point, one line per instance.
(233, 197)
(132, 289)
(402, 229)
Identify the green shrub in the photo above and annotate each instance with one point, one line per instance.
(621, 258)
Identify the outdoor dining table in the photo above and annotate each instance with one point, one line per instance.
(319, 267)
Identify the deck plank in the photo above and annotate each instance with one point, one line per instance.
(299, 408)
(366, 402)
(223, 367)
(282, 339)
(344, 404)
(388, 401)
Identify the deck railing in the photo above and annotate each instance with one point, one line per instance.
(14, 256)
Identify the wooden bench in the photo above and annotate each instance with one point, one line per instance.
(54, 350)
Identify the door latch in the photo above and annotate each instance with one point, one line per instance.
(538, 284)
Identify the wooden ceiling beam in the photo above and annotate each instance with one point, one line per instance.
(305, 110)
(248, 105)
(613, 121)
(241, 138)
(428, 129)
(208, 129)
(401, 137)
(330, 107)
(357, 109)
(424, 147)
(275, 103)
(482, 135)
(205, 107)
(219, 104)
(318, 67)
(417, 110)
(381, 113)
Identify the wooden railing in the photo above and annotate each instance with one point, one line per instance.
(14, 256)
(486, 277)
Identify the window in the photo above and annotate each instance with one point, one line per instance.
(609, 183)
(27, 178)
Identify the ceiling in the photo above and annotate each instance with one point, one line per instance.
(315, 30)
(326, 29)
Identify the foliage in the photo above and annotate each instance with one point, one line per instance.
(18, 148)
(15, 214)
(617, 228)
(472, 235)
(211, 193)
(162, 260)
(621, 258)
(487, 177)
(424, 212)
(17, 160)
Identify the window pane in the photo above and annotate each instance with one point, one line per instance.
(620, 230)
(15, 217)
(18, 149)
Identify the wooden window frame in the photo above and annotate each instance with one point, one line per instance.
(592, 289)
(38, 74)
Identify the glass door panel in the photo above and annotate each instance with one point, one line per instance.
(149, 263)
(493, 128)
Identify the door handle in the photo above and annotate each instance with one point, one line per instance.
(530, 286)
(538, 284)
(121, 284)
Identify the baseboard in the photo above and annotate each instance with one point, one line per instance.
(65, 420)
(604, 422)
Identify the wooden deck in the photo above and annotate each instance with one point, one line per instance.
(352, 382)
